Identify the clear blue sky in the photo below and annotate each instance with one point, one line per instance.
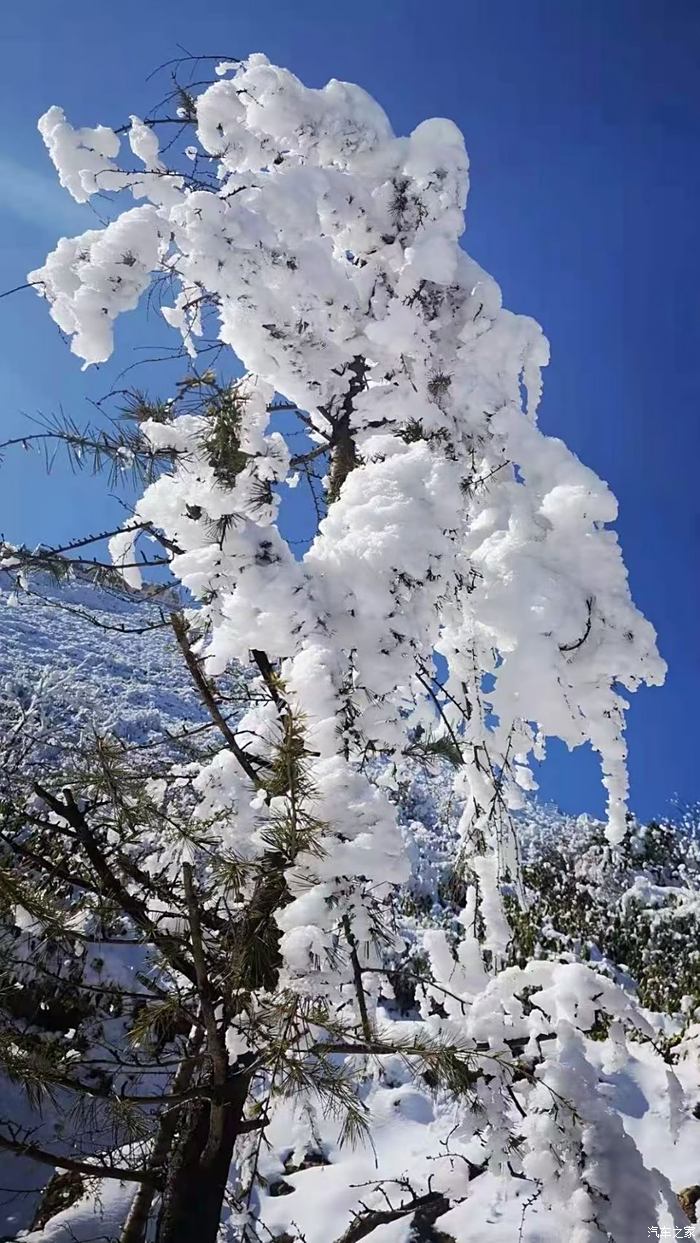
(582, 120)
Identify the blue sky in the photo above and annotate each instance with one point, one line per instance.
(582, 120)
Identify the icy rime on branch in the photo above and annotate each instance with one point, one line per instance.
(329, 250)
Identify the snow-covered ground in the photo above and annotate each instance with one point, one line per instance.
(316, 1204)
(405, 1131)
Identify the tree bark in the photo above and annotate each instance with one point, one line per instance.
(194, 1191)
(343, 452)
(136, 1224)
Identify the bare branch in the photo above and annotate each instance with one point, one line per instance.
(208, 698)
(120, 1172)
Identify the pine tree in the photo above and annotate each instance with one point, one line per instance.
(462, 598)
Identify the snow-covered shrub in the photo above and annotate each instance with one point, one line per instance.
(633, 909)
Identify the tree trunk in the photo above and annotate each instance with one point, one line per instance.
(136, 1224)
(344, 454)
(195, 1189)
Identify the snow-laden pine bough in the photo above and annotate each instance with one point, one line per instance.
(462, 595)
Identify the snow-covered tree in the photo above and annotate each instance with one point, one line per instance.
(463, 595)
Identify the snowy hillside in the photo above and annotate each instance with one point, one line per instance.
(83, 650)
(72, 658)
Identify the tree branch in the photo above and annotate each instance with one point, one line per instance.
(207, 696)
(23, 1149)
(215, 1046)
(357, 976)
(131, 905)
(429, 1206)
